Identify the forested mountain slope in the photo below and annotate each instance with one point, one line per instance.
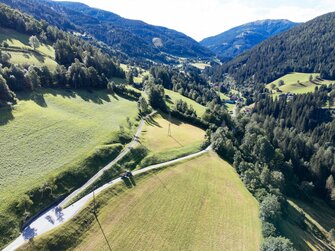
(235, 41)
(134, 38)
(308, 47)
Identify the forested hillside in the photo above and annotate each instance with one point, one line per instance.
(79, 65)
(285, 149)
(305, 48)
(235, 41)
(133, 38)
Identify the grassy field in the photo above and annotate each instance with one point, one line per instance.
(158, 146)
(230, 107)
(200, 66)
(32, 59)
(49, 130)
(22, 53)
(200, 109)
(142, 73)
(291, 83)
(155, 135)
(319, 220)
(190, 206)
(224, 96)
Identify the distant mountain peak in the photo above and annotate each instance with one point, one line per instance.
(236, 41)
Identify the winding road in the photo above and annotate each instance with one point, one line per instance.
(109, 166)
(58, 215)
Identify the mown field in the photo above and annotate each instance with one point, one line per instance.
(157, 139)
(292, 86)
(200, 109)
(200, 66)
(22, 53)
(183, 140)
(47, 131)
(200, 204)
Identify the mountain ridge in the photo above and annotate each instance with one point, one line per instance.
(237, 40)
(132, 37)
(304, 48)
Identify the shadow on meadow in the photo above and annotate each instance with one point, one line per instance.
(6, 115)
(171, 119)
(97, 97)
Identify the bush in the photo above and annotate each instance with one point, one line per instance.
(133, 158)
(270, 209)
(8, 229)
(123, 137)
(277, 244)
(268, 229)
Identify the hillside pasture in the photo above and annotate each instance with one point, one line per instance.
(22, 57)
(48, 130)
(200, 65)
(22, 53)
(156, 138)
(200, 204)
(297, 83)
(175, 96)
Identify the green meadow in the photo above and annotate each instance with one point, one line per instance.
(46, 131)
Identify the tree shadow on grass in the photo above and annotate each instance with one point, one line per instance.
(6, 115)
(152, 122)
(171, 119)
(39, 57)
(97, 97)
(168, 99)
(36, 96)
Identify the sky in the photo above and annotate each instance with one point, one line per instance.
(203, 18)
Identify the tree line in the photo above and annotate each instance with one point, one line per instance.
(286, 148)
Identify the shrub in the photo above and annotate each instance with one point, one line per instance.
(268, 229)
(277, 244)
(270, 208)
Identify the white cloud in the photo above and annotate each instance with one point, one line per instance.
(199, 18)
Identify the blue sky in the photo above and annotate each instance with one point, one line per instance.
(203, 18)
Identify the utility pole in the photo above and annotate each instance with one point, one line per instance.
(94, 205)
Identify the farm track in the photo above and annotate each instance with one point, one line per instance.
(56, 215)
